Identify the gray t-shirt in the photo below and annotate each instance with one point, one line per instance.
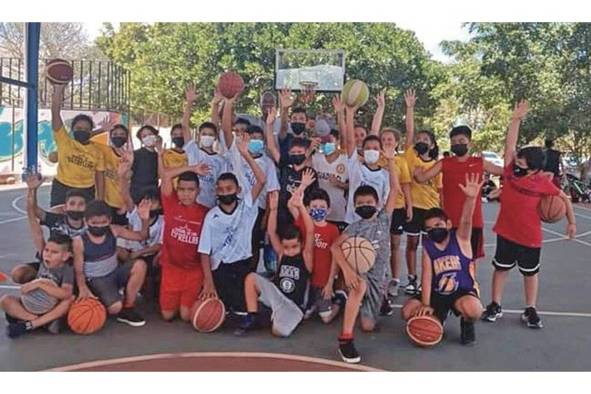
(38, 301)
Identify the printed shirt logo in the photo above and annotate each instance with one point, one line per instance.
(80, 161)
(185, 235)
(341, 168)
(288, 275)
(319, 242)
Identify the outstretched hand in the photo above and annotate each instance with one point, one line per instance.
(286, 99)
(410, 98)
(338, 104)
(473, 185)
(521, 109)
(381, 99)
(191, 93)
(34, 181)
(308, 177)
(271, 116)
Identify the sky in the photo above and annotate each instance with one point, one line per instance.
(429, 33)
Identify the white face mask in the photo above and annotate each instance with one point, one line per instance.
(371, 156)
(149, 140)
(206, 141)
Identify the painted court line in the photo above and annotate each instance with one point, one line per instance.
(564, 237)
(16, 207)
(546, 313)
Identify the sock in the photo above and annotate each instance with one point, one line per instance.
(396, 280)
(346, 337)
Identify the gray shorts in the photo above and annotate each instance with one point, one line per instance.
(107, 287)
(286, 315)
(374, 296)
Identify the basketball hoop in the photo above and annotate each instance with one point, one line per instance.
(308, 85)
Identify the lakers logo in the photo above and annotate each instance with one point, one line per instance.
(341, 169)
(447, 284)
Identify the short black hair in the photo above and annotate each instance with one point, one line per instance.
(82, 118)
(289, 232)
(228, 176)
(549, 143)
(298, 142)
(189, 176)
(435, 213)
(175, 126)
(61, 239)
(119, 126)
(97, 208)
(434, 152)
(146, 127)
(366, 190)
(461, 130)
(335, 133)
(149, 193)
(534, 157)
(208, 125)
(253, 128)
(316, 194)
(76, 193)
(243, 121)
(372, 137)
(299, 110)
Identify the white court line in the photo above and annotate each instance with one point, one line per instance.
(10, 287)
(566, 238)
(547, 313)
(581, 207)
(12, 220)
(16, 207)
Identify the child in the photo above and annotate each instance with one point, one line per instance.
(518, 226)
(366, 291)
(47, 298)
(98, 274)
(145, 162)
(448, 267)
(175, 156)
(287, 294)
(226, 238)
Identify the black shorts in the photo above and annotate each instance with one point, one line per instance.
(509, 253)
(443, 304)
(398, 221)
(340, 225)
(417, 224)
(59, 191)
(118, 218)
(229, 283)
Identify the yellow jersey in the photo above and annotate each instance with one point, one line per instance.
(403, 174)
(424, 195)
(77, 162)
(173, 159)
(112, 192)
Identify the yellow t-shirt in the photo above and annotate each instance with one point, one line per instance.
(77, 162)
(403, 176)
(112, 192)
(174, 159)
(424, 195)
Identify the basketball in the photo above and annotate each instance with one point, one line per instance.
(551, 209)
(355, 93)
(87, 316)
(59, 71)
(208, 315)
(230, 84)
(424, 331)
(359, 253)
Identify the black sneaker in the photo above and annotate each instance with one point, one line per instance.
(131, 317)
(492, 313)
(386, 309)
(531, 318)
(348, 352)
(16, 329)
(248, 324)
(467, 332)
(411, 287)
(340, 298)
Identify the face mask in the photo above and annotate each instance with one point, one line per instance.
(519, 171)
(255, 147)
(318, 214)
(459, 149)
(98, 231)
(366, 211)
(118, 142)
(82, 136)
(75, 215)
(206, 141)
(329, 148)
(421, 148)
(297, 159)
(298, 128)
(438, 234)
(227, 199)
(149, 140)
(371, 156)
(179, 142)
(154, 213)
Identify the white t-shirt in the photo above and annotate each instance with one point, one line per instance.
(338, 200)
(217, 165)
(155, 231)
(228, 237)
(360, 175)
(245, 175)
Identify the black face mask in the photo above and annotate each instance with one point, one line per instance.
(118, 142)
(75, 215)
(297, 159)
(227, 199)
(366, 211)
(179, 142)
(421, 148)
(82, 136)
(98, 231)
(438, 234)
(154, 213)
(298, 128)
(519, 171)
(459, 149)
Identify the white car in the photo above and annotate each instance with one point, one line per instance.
(493, 158)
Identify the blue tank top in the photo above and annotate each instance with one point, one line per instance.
(451, 268)
(99, 259)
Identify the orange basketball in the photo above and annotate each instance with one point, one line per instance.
(59, 71)
(424, 331)
(208, 315)
(87, 316)
(359, 253)
(230, 84)
(551, 209)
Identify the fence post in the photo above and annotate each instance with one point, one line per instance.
(32, 69)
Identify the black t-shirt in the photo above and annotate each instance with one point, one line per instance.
(145, 171)
(552, 162)
(292, 279)
(290, 180)
(284, 147)
(57, 222)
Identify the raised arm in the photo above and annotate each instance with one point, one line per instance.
(339, 111)
(308, 253)
(519, 113)
(423, 176)
(256, 169)
(378, 116)
(272, 224)
(227, 119)
(166, 188)
(285, 102)
(492, 168)
(190, 97)
(394, 184)
(123, 171)
(215, 108)
(143, 210)
(410, 99)
(471, 190)
(271, 143)
(33, 181)
(350, 133)
(57, 100)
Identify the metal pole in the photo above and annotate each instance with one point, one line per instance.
(32, 67)
(13, 137)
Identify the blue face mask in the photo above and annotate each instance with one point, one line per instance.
(329, 148)
(318, 214)
(256, 147)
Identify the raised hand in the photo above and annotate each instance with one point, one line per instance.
(337, 104)
(125, 164)
(34, 181)
(521, 109)
(381, 99)
(200, 168)
(271, 116)
(472, 186)
(297, 198)
(217, 97)
(307, 95)
(410, 98)
(286, 99)
(143, 209)
(242, 145)
(389, 154)
(308, 177)
(190, 93)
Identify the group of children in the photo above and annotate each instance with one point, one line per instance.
(189, 222)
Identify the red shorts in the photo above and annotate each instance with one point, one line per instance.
(179, 287)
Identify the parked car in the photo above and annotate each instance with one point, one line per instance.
(493, 158)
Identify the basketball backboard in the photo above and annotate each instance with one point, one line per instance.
(320, 69)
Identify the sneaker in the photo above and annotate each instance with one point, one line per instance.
(492, 313)
(16, 329)
(340, 298)
(411, 287)
(393, 288)
(531, 318)
(55, 327)
(386, 309)
(131, 317)
(248, 324)
(348, 352)
(467, 332)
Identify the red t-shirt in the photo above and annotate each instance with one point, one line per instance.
(518, 219)
(182, 229)
(323, 239)
(454, 173)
